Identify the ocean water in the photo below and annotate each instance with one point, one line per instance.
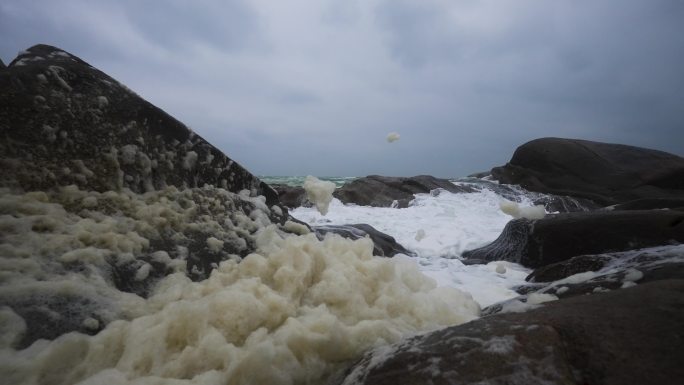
(299, 180)
(438, 228)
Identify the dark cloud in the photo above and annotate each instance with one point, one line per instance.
(303, 87)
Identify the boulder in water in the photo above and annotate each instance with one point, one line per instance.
(386, 191)
(559, 237)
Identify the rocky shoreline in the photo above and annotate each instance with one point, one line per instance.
(79, 148)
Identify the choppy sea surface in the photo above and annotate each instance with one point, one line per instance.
(438, 227)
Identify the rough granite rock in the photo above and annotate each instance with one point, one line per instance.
(384, 245)
(64, 122)
(104, 191)
(650, 204)
(603, 172)
(630, 336)
(562, 236)
(384, 191)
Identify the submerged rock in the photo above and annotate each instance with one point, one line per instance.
(386, 191)
(562, 236)
(384, 245)
(603, 172)
(631, 336)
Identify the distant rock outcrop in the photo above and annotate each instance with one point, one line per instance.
(559, 237)
(605, 173)
(386, 191)
(630, 336)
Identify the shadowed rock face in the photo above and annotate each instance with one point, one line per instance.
(563, 236)
(603, 172)
(631, 336)
(64, 122)
(383, 191)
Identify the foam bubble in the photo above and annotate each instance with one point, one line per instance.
(392, 137)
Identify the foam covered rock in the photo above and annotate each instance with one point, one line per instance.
(64, 122)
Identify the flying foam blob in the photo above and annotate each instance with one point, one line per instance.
(392, 137)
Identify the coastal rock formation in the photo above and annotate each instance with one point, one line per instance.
(605, 173)
(64, 123)
(103, 194)
(562, 236)
(383, 244)
(385, 191)
(630, 336)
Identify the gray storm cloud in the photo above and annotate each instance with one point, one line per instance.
(306, 87)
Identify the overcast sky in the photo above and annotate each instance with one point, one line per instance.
(314, 87)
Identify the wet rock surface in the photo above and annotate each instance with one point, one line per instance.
(384, 244)
(384, 191)
(630, 336)
(559, 237)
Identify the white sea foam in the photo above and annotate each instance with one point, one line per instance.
(294, 313)
(450, 223)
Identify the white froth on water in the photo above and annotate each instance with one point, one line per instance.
(295, 312)
(448, 224)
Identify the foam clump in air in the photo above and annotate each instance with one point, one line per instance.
(516, 211)
(296, 312)
(319, 193)
(392, 137)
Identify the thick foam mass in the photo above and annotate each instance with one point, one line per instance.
(293, 313)
(319, 192)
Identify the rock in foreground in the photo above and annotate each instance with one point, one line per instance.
(603, 172)
(563, 236)
(103, 194)
(631, 336)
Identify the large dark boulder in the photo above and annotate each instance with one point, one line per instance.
(630, 336)
(64, 122)
(559, 237)
(384, 245)
(104, 194)
(387, 191)
(603, 172)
